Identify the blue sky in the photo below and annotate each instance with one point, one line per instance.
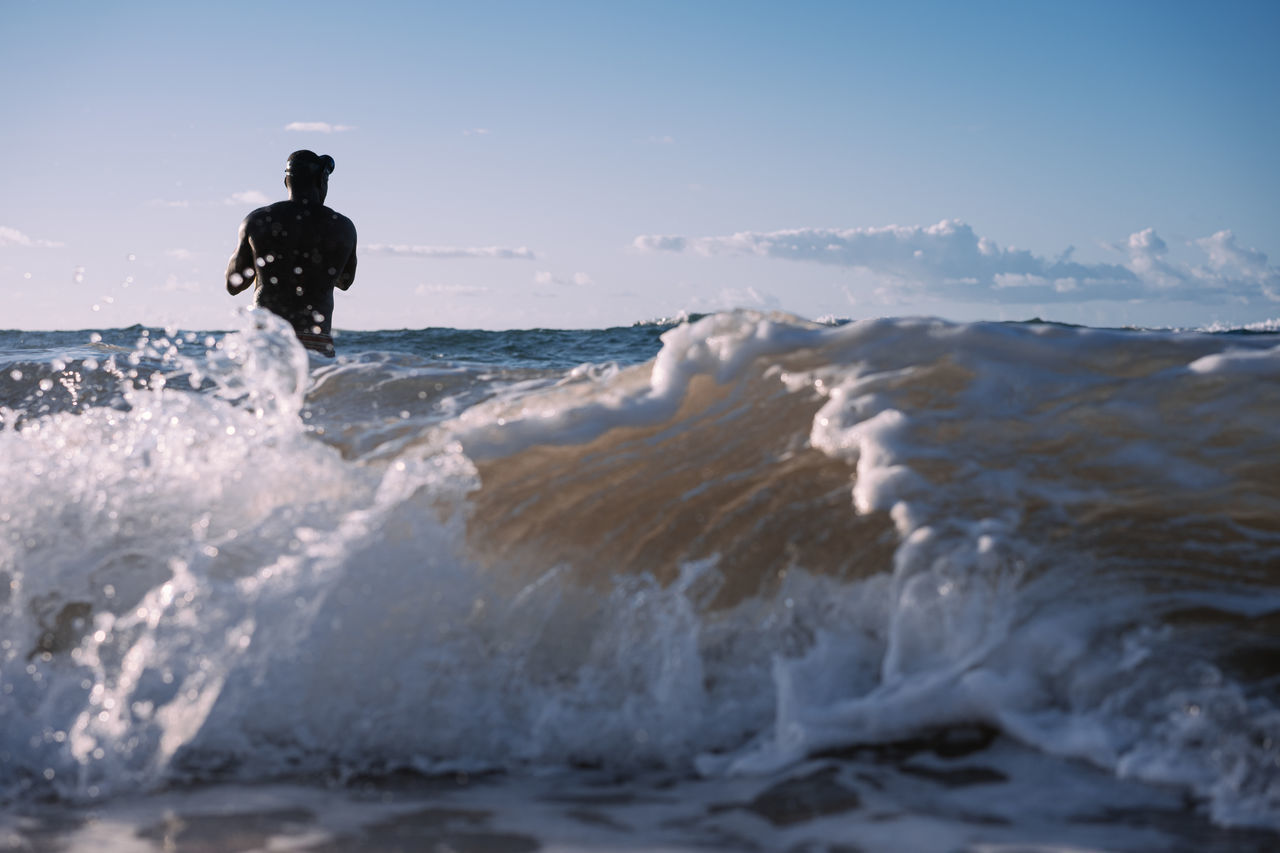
(589, 164)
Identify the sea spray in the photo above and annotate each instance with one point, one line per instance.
(774, 541)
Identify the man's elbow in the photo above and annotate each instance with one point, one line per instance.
(236, 283)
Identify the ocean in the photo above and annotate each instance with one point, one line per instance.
(735, 582)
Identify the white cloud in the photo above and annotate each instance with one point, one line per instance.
(14, 237)
(317, 127)
(180, 254)
(248, 197)
(578, 279)
(749, 297)
(950, 260)
(730, 297)
(497, 252)
(1228, 260)
(160, 202)
(660, 243)
(476, 131)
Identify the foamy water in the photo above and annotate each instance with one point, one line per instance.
(773, 541)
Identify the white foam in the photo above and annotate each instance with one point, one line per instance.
(263, 601)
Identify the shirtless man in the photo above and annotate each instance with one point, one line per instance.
(297, 252)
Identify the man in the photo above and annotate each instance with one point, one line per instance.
(296, 252)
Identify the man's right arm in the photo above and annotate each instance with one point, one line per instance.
(241, 269)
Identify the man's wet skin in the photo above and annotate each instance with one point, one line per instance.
(295, 252)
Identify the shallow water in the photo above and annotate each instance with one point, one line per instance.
(961, 791)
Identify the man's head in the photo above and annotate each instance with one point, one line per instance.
(306, 174)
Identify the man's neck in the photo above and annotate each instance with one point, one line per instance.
(309, 197)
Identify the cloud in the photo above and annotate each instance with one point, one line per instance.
(578, 279)
(476, 131)
(950, 260)
(731, 297)
(660, 243)
(180, 254)
(14, 237)
(160, 202)
(1231, 261)
(248, 197)
(317, 127)
(449, 252)
(750, 297)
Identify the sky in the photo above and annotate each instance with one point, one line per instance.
(591, 164)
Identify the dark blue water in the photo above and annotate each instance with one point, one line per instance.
(538, 348)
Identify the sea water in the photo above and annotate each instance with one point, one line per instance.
(741, 581)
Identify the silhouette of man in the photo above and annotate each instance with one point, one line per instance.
(296, 252)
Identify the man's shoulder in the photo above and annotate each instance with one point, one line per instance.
(262, 213)
(336, 215)
(341, 221)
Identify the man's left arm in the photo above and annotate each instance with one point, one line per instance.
(348, 274)
(241, 270)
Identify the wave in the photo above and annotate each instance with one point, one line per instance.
(774, 540)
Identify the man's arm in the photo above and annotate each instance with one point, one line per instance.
(241, 270)
(348, 274)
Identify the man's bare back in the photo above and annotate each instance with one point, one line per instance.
(296, 252)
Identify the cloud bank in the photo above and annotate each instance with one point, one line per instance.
(256, 197)
(317, 127)
(950, 260)
(449, 252)
(14, 237)
(578, 279)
